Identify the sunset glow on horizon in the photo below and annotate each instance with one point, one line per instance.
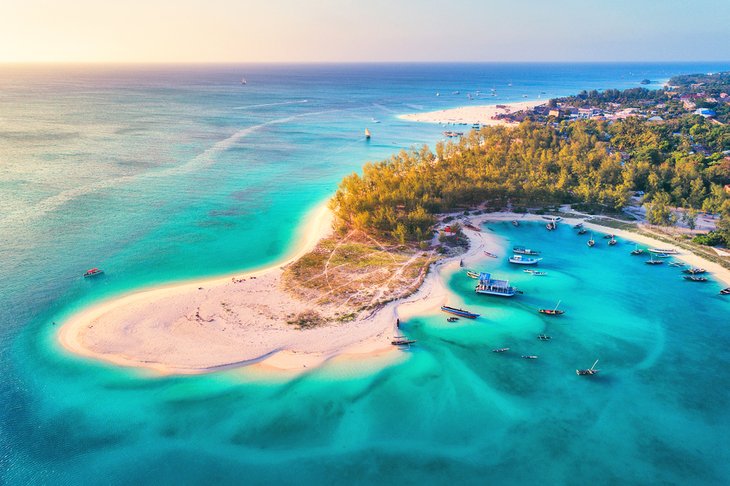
(327, 30)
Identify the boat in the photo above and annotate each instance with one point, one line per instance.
(402, 341)
(472, 274)
(606, 237)
(551, 226)
(693, 278)
(591, 243)
(489, 286)
(244, 82)
(490, 255)
(367, 134)
(522, 260)
(651, 261)
(459, 312)
(544, 337)
(521, 250)
(637, 251)
(500, 350)
(452, 319)
(676, 264)
(93, 272)
(612, 242)
(694, 271)
(515, 223)
(582, 231)
(666, 251)
(578, 226)
(725, 291)
(552, 312)
(375, 120)
(529, 356)
(552, 219)
(662, 255)
(590, 371)
(536, 273)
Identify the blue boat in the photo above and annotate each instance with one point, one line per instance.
(459, 312)
(489, 286)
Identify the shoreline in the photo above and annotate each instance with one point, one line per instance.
(472, 114)
(278, 347)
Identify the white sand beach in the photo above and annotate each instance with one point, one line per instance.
(482, 114)
(239, 320)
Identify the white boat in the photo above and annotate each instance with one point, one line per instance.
(523, 260)
(536, 273)
(521, 250)
(489, 286)
(665, 251)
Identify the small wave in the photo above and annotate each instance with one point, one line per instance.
(265, 105)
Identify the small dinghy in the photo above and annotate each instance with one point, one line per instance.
(500, 350)
(544, 337)
(725, 291)
(529, 356)
(590, 371)
(552, 312)
(515, 223)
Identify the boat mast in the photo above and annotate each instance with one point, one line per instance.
(594, 365)
(556, 305)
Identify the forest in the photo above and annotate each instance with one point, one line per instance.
(598, 164)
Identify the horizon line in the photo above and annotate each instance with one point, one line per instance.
(373, 62)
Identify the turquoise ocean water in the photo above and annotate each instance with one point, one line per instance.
(160, 174)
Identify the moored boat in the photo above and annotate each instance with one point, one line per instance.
(93, 272)
(677, 264)
(552, 312)
(459, 312)
(500, 350)
(536, 273)
(472, 274)
(402, 341)
(490, 255)
(693, 278)
(651, 261)
(489, 286)
(521, 250)
(666, 251)
(637, 251)
(523, 260)
(609, 236)
(725, 291)
(694, 271)
(515, 223)
(578, 226)
(529, 356)
(590, 371)
(544, 337)
(452, 319)
(591, 243)
(612, 242)
(582, 231)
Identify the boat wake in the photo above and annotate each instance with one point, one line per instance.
(266, 105)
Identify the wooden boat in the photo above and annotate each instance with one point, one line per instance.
(472, 274)
(490, 255)
(522, 260)
(612, 242)
(694, 271)
(529, 356)
(521, 250)
(666, 251)
(651, 261)
(637, 251)
(590, 371)
(544, 337)
(515, 223)
(452, 319)
(582, 231)
(725, 291)
(459, 312)
(367, 134)
(489, 286)
(536, 273)
(93, 272)
(552, 312)
(692, 278)
(500, 350)
(402, 341)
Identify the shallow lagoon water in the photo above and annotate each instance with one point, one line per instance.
(183, 177)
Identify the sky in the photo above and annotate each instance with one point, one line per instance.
(230, 31)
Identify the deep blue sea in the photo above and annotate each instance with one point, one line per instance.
(165, 173)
